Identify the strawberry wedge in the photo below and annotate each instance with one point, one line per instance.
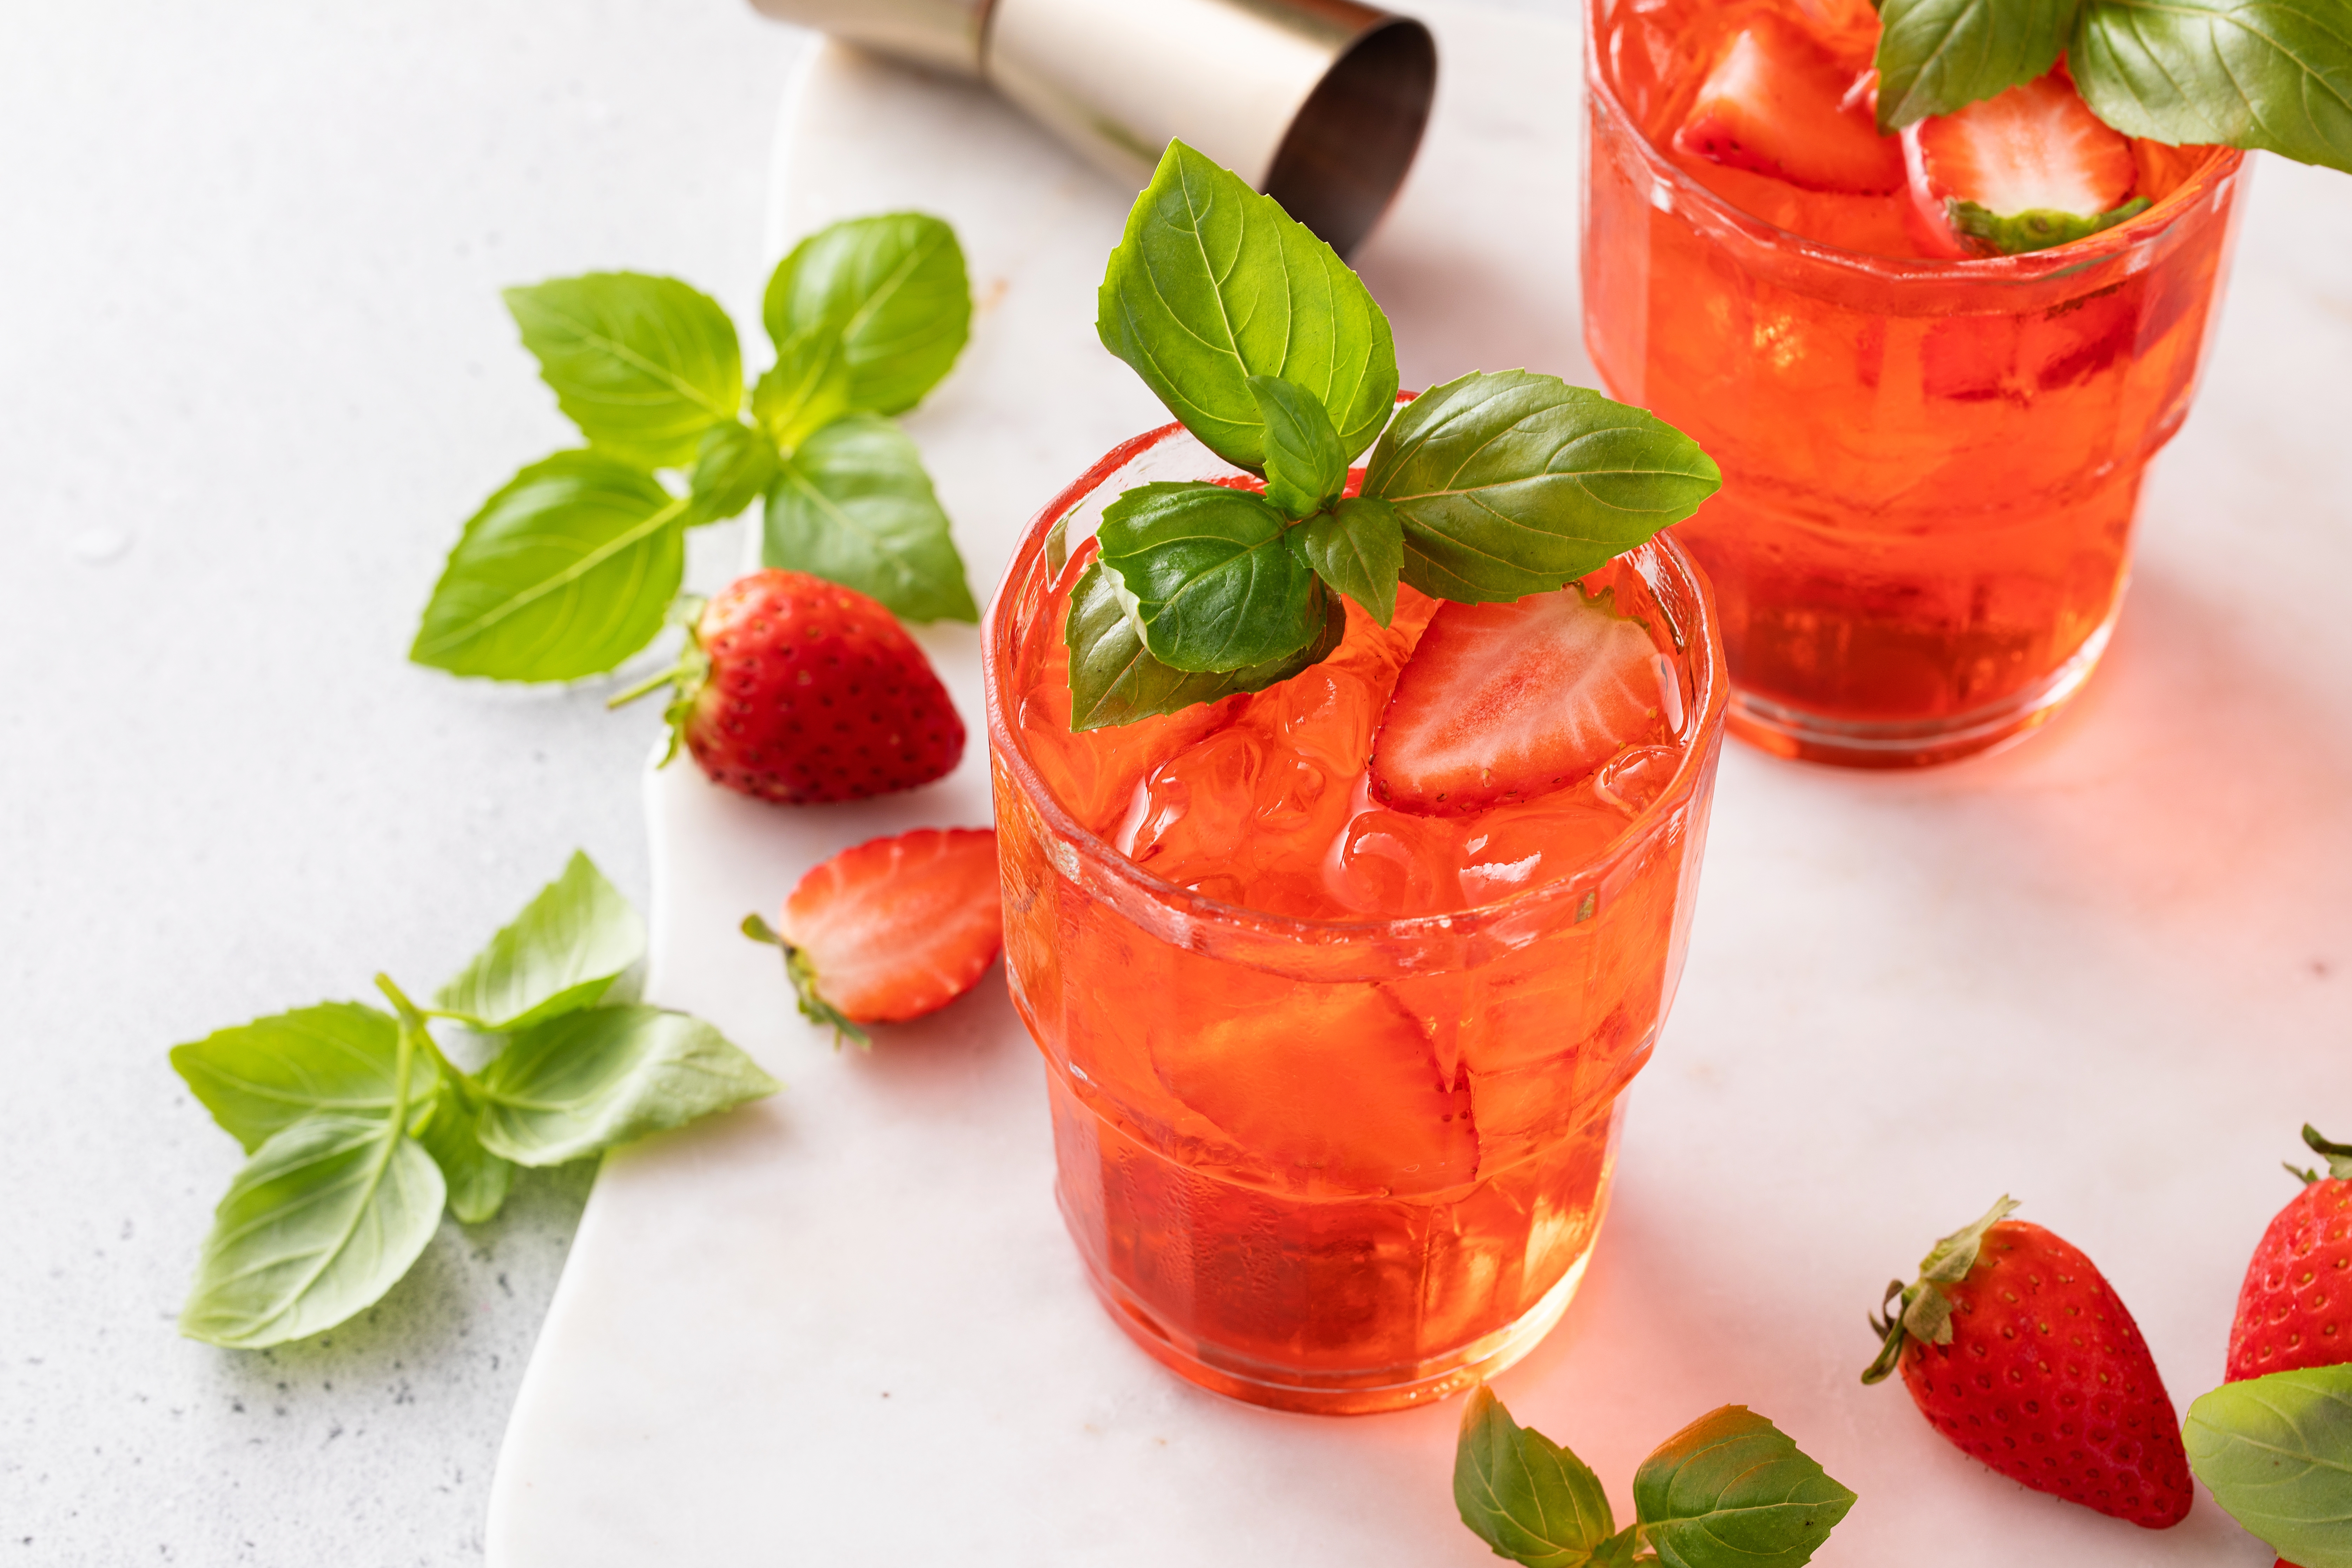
(2024, 171)
(1504, 702)
(1778, 104)
(891, 928)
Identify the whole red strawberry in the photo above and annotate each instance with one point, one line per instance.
(800, 691)
(2294, 1309)
(2017, 1349)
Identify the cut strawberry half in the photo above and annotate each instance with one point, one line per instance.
(1505, 702)
(1778, 103)
(2028, 169)
(892, 929)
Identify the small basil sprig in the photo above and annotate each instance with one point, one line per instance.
(2276, 1453)
(1729, 1490)
(1271, 352)
(572, 566)
(2273, 74)
(361, 1130)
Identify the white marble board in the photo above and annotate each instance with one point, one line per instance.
(2110, 972)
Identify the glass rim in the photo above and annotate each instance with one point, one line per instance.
(1700, 642)
(2031, 267)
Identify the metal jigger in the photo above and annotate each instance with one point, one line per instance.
(1319, 103)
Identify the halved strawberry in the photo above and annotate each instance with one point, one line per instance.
(892, 929)
(1780, 103)
(2028, 169)
(1504, 702)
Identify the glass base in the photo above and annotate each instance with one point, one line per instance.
(1340, 1393)
(1787, 731)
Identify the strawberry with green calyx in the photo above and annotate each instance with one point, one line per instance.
(891, 928)
(2024, 171)
(571, 567)
(794, 689)
(2017, 1349)
(2274, 1443)
(2296, 1307)
(1729, 1490)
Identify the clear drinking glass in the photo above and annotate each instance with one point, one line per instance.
(1333, 1166)
(1930, 468)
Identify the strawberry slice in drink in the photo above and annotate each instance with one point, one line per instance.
(2028, 169)
(1778, 102)
(1505, 702)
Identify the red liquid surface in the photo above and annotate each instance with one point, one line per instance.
(1930, 468)
(1328, 1167)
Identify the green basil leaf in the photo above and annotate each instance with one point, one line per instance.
(1522, 1494)
(569, 943)
(580, 1083)
(2276, 1452)
(476, 1179)
(806, 389)
(1114, 680)
(893, 287)
(565, 572)
(853, 506)
(733, 466)
(1214, 586)
(2275, 74)
(643, 365)
(1214, 283)
(324, 1218)
(1936, 56)
(1517, 483)
(259, 1079)
(1306, 468)
(1731, 1488)
(1358, 548)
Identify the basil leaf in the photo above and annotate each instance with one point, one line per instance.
(259, 1079)
(2276, 1452)
(322, 1221)
(1357, 547)
(1731, 1488)
(1213, 283)
(2275, 74)
(476, 1179)
(565, 572)
(570, 941)
(1305, 468)
(643, 365)
(1114, 680)
(806, 389)
(734, 465)
(853, 506)
(1936, 56)
(1522, 1494)
(1214, 587)
(1517, 483)
(580, 1083)
(894, 287)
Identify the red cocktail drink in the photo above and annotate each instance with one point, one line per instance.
(1930, 464)
(1335, 1086)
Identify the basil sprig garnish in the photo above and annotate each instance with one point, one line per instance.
(362, 1131)
(2276, 1452)
(573, 565)
(1271, 352)
(2275, 74)
(1729, 1490)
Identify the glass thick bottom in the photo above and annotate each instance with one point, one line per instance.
(1364, 1393)
(1788, 732)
